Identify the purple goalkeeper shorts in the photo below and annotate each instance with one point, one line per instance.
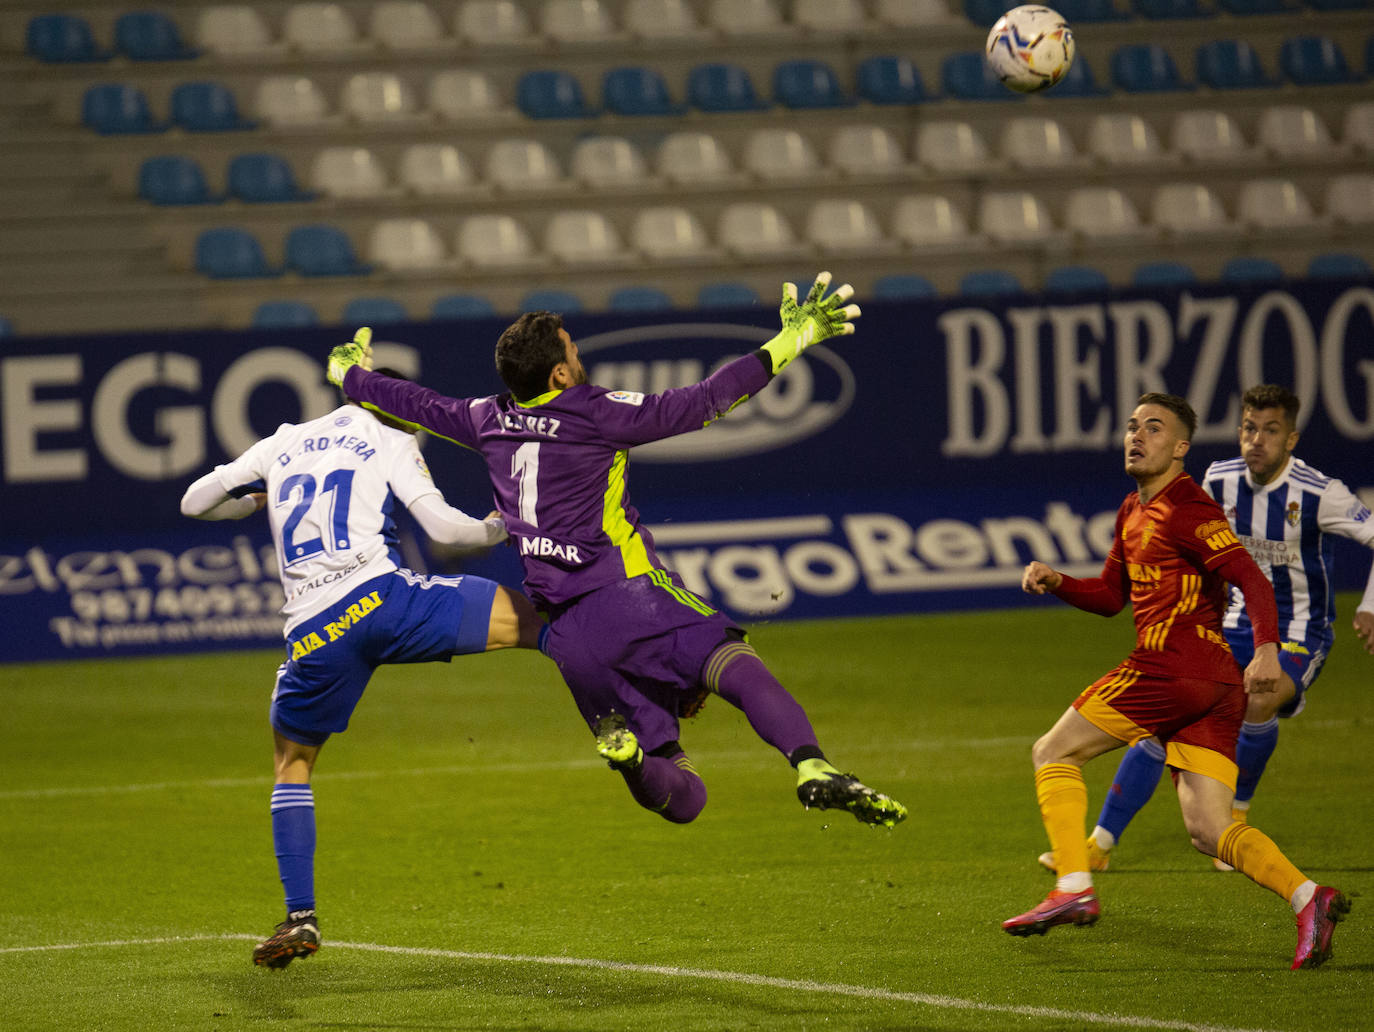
(637, 647)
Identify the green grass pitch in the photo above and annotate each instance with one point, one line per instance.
(478, 868)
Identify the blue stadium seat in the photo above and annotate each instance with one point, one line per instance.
(727, 294)
(637, 90)
(374, 311)
(717, 86)
(639, 299)
(321, 250)
(264, 179)
(1249, 269)
(967, 76)
(115, 107)
(1231, 64)
(57, 38)
(903, 286)
(1244, 7)
(1338, 265)
(1073, 279)
(1145, 68)
(1314, 61)
(1078, 81)
(1163, 274)
(6, 327)
(276, 315)
(1164, 9)
(548, 300)
(551, 93)
(174, 179)
(808, 83)
(990, 283)
(228, 252)
(150, 36)
(461, 306)
(207, 107)
(889, 79)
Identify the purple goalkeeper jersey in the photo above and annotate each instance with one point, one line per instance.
(558, 464)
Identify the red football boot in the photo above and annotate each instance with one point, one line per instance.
(1316, 922)
(1058, 908)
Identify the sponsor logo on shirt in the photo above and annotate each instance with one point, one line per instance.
(423, 467)
(627, 397)
(1217, 534)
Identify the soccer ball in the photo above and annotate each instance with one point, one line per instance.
(1030, 48)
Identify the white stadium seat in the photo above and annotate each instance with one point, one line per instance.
(349, 173)
(376, 98)
(1274, 203)
(1124, 139)
(496, 241)
(460, 94)
(848, 225)
(608, 162)
(689, 157)
(1101, 213)
(577, 21)
(494, 23)
(407, 245)
(584, 238)
(778, 153)
(867, 150)
(523, 164)
(1292, 132)
(755, 228)
(437, 170)
(405, 25)
(951, 147)
(665, 20)
(671, 233)
(1184, 208)
(236, 30)
(1208, 136)
(930, 220)
(289, 101)
(1014, 217)
(748, 18)
(1037, 143)
(318, 27)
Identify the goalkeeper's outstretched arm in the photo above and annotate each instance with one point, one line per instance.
(815, 319)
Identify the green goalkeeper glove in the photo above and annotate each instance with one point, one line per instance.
(357, 353)
(816, 319)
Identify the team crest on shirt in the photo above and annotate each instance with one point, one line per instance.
(422, 467)
(343, 421)
(1146, 534)
(626, 397)
(1293, 514)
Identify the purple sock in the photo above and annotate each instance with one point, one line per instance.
(737, 675)
(669, 786)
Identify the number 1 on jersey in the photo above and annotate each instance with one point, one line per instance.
(524, 467)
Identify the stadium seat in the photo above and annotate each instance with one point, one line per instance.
(522, 164)
(228, 252)
(551, 93)
(951, 147)
(112, 108)
(990, 283)
(1350, 198)
(636, 298)
(498, 23)
(583, 238)
(902, 286)
(545, 299)
(1338, 5)
(846, 225)
(778, 154)
(829, 19)
(374, 311)
(1159, 10)
(283, 315)
(320, 27)
(1163, 274)
(496, 241)
(889, 79)
(1250, 269)
(1338, 265)
(291, 101)
(913, 14)
(690, 157)
(1231, 64)
(1358, 131)
(577, 21)
(968, 76)
(377, 98)
(1314, 61)
(663, 20)
(460, 94)
(1295, 133)
(1101, 213)
(930, 220)
(207, 107)
(436, 170)
(461, 306)
(744, 18)
(1145, 68)
(407, 25)
(1075, 279)
(150, 36)
(1038, 143)
(756, 228)
(172, 179)
(727, 294)
(637, 90)
(60, 38)
(718, 86)
(866, 150)
(236, 31)
(348, 173)
(670, 233)
(321, 250)
(1248, 7)
(1014, 217)
(264, 179)
(1078, 81)
(6, 327)
(803, 83)
(1208, 136)
(608, 163)
(1274, 204)
(1184, 208)
(1123, 139)
(404, 244)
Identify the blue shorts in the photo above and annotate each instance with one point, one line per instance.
(399, 617)
(1300, 660)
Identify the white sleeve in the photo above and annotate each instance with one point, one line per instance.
(1341, 512)
(206, 499)
(450, 526)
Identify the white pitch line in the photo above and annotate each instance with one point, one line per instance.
(861, 992)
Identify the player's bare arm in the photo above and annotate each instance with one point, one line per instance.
(1364, 629)
(1038, 578)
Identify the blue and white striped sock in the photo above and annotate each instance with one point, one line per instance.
(293, 835)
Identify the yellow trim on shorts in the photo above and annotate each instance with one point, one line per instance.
(1097, 712)
(1200, 760)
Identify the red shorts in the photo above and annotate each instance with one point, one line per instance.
(1198, 721)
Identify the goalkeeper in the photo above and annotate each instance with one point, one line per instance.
(636, 648)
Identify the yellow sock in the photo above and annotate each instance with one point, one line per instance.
(1253, 853)
(1063, 798)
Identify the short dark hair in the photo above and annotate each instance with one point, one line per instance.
(527, 351)
(1178, 406)
(1271, 395)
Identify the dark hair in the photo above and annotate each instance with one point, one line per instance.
(1271, 395)
(1178, 406)
(527, 351)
